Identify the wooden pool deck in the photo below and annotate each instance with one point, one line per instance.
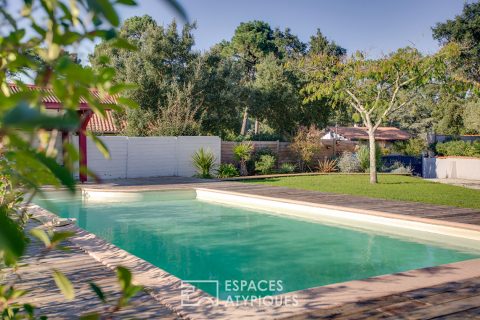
(449, 300)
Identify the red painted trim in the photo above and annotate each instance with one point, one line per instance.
(82, 143)
(59, 106)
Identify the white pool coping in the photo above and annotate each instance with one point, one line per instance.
(166, 288)
(420, 229)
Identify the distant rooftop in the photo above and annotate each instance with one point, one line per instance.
(52, 101)
(96, 124)
(361, 133)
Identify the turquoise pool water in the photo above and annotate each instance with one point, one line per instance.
(195, 240)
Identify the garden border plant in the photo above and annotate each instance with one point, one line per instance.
(33, 45)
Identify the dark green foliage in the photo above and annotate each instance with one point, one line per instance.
(471, 117)
(253, 40)
(458, 148)
(463, 29)
(34, 47)
(411, 147)
(265, 164)
(319, 44)
(363, 154)
(227, 170)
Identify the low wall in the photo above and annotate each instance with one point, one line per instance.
(136, 157)
(284, 151)
(451, 167)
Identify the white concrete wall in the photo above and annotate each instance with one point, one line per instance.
(451, 167)
(151, 156)
(135, 157)
(187, 146)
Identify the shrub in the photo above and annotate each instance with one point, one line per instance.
(287, 168)
(327, 165)
(227, 170)
(242, 152)
(256, 155)
(203, 161)
(265, 164)
(402, 170)
(411, 147)
(305, 144)
(458, 148)
(348, 163)
(363, 154)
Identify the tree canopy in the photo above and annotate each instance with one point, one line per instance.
(464, 30)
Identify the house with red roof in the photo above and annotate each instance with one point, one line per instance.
(385, 136)
(89, 121)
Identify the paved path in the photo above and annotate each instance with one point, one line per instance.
(472, 184)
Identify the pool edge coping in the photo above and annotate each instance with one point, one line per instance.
(165, 287)
(445, 223)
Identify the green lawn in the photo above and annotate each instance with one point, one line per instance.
(389, 187)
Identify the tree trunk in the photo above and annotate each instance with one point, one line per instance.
(243, 131)
(373, 159)
(243, 168)
(256, 126)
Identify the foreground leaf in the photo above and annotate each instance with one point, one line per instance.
(42, 236)
(98, 291)
(12, 239)
(64, 285)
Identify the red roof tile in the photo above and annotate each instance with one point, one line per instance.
(52, 99)
(382, 133)
(104, 125)
(96, 124)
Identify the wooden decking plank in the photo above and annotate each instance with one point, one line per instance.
(81, 269)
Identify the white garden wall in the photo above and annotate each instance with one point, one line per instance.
(135, 157)
(451, 167)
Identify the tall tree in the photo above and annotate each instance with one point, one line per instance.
(160, 66)
(221, 93)
(277, 98)
(465, 30)
(374, 88)
(319, 44)
(251, 42)
(289, 46)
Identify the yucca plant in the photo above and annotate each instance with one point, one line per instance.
(242, 152)
(203, 161)
(327, 165)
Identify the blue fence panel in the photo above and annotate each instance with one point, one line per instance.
(414, 162)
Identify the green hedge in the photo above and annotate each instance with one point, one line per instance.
(458, 148)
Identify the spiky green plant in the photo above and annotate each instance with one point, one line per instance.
(242, 152)
(203, 161)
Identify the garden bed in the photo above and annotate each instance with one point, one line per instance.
(302, 174)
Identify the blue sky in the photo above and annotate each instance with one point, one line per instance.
(374, 26)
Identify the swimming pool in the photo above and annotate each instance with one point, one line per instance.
(197, 239)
